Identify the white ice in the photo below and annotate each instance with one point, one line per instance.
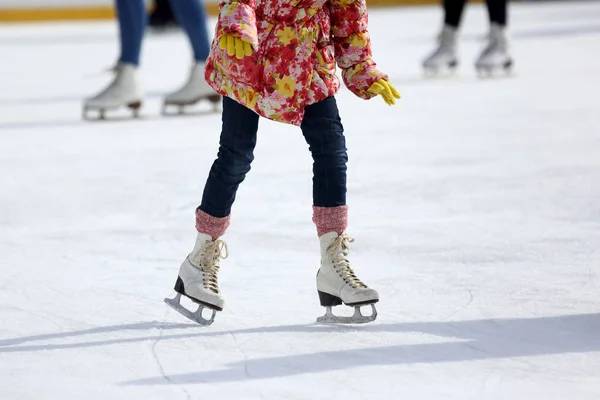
(475, 206)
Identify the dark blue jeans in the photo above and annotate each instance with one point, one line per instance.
(323, 131)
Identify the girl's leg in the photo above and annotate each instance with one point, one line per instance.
(132, 22)
(236, 152)
(497, 10)
(191, 16)
(453, 10)
(324, 133)
(336, 280)
(198, 274)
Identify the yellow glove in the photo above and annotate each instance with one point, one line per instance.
(386, 90)
(235, 46)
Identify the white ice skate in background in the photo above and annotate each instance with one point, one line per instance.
(123, 91)
(443, 60)
(193, 91)
(495, 56)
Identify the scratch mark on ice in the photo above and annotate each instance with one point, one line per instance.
(461, 308)
(244, 354)
(159, 364)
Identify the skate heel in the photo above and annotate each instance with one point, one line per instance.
(328, 300)
(135, 108)
(179, 288)
(214, 98)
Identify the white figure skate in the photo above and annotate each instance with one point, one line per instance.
(193, 91)
(337, 283)
(123, 91)
(198, 280)
(494, 56)
(443, 61)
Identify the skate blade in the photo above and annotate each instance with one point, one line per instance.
(500, 71)
(444, 71)
(357, 318)
(195, 316)
(213, 99)
(133, 106)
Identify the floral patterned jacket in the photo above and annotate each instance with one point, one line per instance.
(296, 44)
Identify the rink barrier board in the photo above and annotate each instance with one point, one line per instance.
(99, 13)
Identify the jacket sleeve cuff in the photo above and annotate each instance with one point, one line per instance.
(238, 19)
(360, 77)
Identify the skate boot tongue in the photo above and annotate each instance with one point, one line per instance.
(338, 253)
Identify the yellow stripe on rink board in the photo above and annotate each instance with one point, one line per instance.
(67, 14)
(55, 14)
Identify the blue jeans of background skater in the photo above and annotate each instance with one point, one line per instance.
(133, 19)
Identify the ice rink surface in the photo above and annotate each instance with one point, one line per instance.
(475, 206)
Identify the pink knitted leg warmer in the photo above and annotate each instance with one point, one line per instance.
(213, 226)
(330, 219)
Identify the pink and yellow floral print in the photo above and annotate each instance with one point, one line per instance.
(296, 45)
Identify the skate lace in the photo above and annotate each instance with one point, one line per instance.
(338, 252)
(210, 255)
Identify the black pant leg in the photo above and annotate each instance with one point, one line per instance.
(498, 10)
(453, 10)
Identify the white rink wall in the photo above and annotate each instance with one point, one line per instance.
(54, 10)
(12, 4)
(49, 4)
(55, 3)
